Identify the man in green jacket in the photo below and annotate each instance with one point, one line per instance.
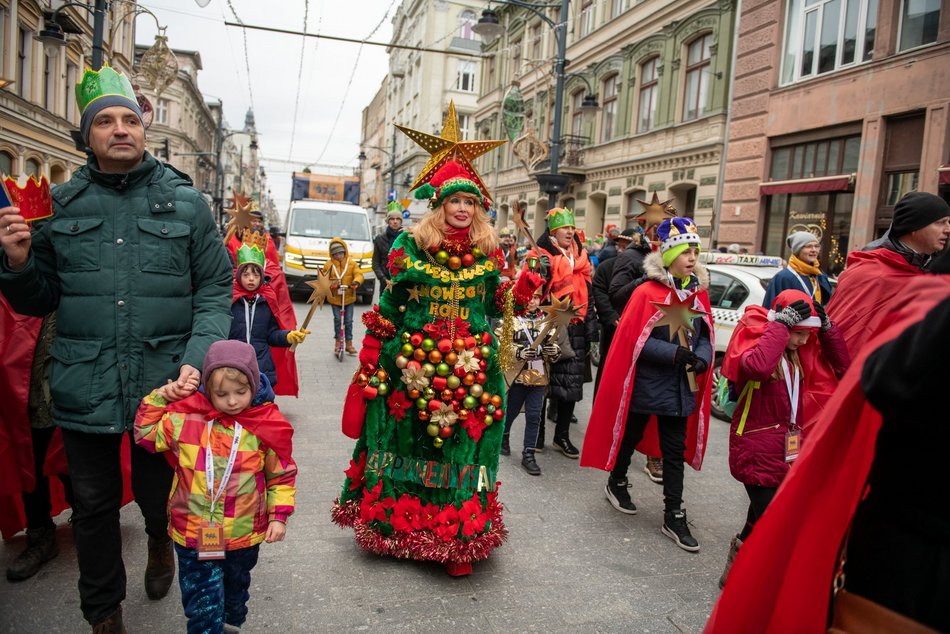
(141, 282)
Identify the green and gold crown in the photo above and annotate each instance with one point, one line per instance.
(253, 245)
(102, 83)
(560, 217)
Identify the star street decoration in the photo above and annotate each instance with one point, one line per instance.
(653, 213)
(449, 146)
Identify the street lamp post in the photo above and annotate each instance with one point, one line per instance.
(552, 183)
(52, 32)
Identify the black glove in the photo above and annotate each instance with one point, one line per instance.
(551, 350)
(793, 313)
(825, 320)
(684, 356)
(699, 366)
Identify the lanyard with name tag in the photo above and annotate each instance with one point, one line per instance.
(211, 535)
(793, 437)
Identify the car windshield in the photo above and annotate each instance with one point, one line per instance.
(329, 223)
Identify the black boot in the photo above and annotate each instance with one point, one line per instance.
(40, 548)
(160, 569)
(566, 447)
(529, 463)
(505, 447)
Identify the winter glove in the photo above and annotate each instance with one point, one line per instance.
(793, 313)
(684, 356)
(528, 353)
(297, 336)
(354, 286)
(825, 320)
(699, 366)
(544, 265)
(551, 350)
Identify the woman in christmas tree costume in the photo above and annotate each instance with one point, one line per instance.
(427, 404)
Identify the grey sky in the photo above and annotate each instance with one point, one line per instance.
(274, 64)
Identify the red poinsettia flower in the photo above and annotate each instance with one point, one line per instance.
(372, 508)
(473, 519)
(427, 517)
(397, 260)
(442, 329)
(474, 426)
(448, 527)
(405, 515)
(398, 404)
(357, 472)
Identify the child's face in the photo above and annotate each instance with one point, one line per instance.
(684, 263)
(229, 396)
(797, 339)
(534, 303)
(338, 256)
(250, 278)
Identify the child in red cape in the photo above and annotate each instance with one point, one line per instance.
(645, 401)
(773, 360)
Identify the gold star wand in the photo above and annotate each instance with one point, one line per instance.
(678, 316)
(560, 313)
(321, 290)
(240, 217)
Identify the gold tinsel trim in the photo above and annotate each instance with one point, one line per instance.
(506, 349)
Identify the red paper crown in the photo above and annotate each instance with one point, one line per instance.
(34, 199)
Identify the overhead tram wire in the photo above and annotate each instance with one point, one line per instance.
(247, 59)
(303, 47)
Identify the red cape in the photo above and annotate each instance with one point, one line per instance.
(18, 334)
(264, 421)
(864, 299)
(608, 416)
(819, 376)
(283, 308)
(781, 579)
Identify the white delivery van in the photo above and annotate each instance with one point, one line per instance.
(310, 225)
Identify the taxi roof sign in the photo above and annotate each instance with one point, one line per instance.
(740, 259)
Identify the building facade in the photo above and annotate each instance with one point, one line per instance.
(38, 108)
(840, 107)
(659, 71)
(376, 155)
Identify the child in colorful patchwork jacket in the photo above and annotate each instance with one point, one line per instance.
(234, 480)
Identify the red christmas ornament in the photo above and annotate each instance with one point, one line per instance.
(470, 343)
(460, 392)
(482, 365)
(369, 392)
(480, 378)
(413, 365)
(439, 383)
(486, 338)
(459, 372)
(416, 339)
(445, 432)
(468, 260)
(444, 346)
(434, 405)
(499, 414)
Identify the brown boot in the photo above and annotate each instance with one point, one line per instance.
(111, 625)
(349, 348)
(160, 569)
(731, 557)
(40, 548)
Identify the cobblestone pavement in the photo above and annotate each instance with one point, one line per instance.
(571, 563)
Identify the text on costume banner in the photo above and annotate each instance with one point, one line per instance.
(431, 473)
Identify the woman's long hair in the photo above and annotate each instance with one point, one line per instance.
(430, 232)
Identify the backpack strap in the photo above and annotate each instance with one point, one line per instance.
(746, 393)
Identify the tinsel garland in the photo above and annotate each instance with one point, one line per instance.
(506, 348)
(421, 545)
(378, 325)
(501, 295)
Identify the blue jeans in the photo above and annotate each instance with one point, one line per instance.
(347, 321)
(531, 397)
(215, 592)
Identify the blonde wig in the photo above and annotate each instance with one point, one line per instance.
(429, 233)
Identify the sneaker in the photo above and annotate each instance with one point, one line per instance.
(618, 497)
(530, 464)
(675, 527)
(505, 446)
(654, 469)
(40, 548)
(539, 447)
(566, 448)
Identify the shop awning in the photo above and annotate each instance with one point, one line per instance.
(837, 183)
(943, 172)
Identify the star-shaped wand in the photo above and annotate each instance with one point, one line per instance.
(321, 290)
(678, 316)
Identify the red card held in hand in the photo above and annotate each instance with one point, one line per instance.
(34, 199)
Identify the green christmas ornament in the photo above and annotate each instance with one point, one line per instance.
(442, 256)
(383, 389)
(428, 345)
(443, 369)
(406, 350)
(432, 429)
(374, 381)
(422, 403)
(453, 382)
(469, 402)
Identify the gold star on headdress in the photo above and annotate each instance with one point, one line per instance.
(678, 314)
(449, 147)
(653, 212)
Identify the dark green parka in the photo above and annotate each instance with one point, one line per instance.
(140, 280)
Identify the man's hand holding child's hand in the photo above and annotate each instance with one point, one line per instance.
(185, 386)
(275, 532)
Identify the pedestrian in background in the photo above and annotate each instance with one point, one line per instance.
(803, 272)
(774, 359)
(384, 242)
(234, 485)
(530, 378)
(647, 395)
(345, 277)
(133, 264)
(569, 276)
(509, 254)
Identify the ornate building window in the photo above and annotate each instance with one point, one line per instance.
(609, 117)
(824, 35)
(649, 91)
(465, 80)
(466, 21)
(920, 21)
(698, 54)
